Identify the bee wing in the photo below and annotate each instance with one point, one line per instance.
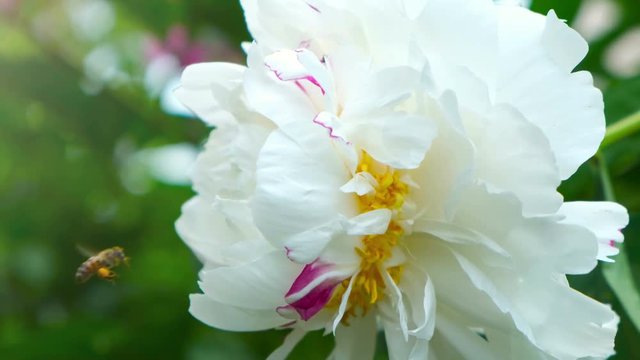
(86, 251)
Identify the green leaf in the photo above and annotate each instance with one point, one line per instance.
(620, 278)
(622, 144)
(619, 275)
(621, 99)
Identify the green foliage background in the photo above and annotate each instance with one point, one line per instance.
(60, 186)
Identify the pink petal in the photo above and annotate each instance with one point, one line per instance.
(305, 298)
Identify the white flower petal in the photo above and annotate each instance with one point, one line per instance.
(422, 300)
(265, 21)
(302, 65)
(259, 285)
(454, 287)
(570, 325)
(448, 162)
(306, 246)
(373, 222)
(232, 318)
(401, 349)
(372, 89)
(556, 318)
(393, 138)
(458, 235)
(213, 240)
(299, 178)
(227, 166)
(466, 38)
(568, 249)
(604, 219)
(564, 45)
(362, 183)
(532, 243)
(513, 155)
(356, 341)
(538, 60)
(206, 89)
(343, 304)
(396, 302)
(455, 340)
(280, 101)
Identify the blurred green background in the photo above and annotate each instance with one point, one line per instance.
(88, 143)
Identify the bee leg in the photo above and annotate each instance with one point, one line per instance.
(106, 274)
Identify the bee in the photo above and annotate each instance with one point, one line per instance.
(102, 264)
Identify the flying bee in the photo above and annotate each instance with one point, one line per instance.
(102, 264)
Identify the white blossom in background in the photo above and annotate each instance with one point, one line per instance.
(393, 164)
(169, 164)
(91, 20)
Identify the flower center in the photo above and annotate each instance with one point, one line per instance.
(369, 284)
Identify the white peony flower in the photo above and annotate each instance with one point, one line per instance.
(394, 164)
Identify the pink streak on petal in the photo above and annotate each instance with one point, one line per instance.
(309, 78)
(309, 273)
(612, 243)
(314, 8)
(305, 44)
(275, 72)
(315, 82)
(314, 301)
(331, 130)
(301, 87)
(288, 325)
(288, 252)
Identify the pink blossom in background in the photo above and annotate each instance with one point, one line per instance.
(177, 44)
(7, 6)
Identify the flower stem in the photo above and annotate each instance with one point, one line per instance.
(621, 129)
(605, 177)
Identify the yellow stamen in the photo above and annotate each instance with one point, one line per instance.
(368, 287)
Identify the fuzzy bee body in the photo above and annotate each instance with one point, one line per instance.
(102, 264)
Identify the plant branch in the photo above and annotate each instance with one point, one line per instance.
(621, 129)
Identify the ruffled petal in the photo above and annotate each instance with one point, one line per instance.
(301, 65)
(422, 300)
(266, 21)
(535, 76)
(356, 341)
(604, 219)
(207, 90)
(373, 222)
(397, 139)
(448, 163)
(259, 285)
(232, 318)
(401, 349)
(227, 166)
(533, 243)
(216, 242)
(299, 178)
(282, 102)
(361, 184)
(556, 318)
(514, 155)
(467, 38)
(454, 339)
